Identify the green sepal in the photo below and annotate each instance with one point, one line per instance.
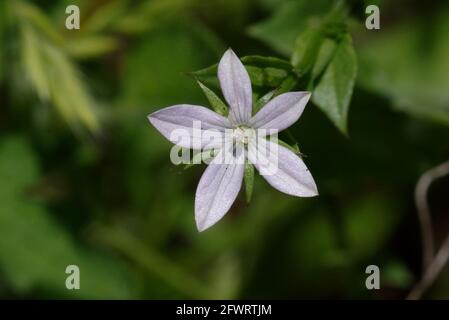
(294, 148)
(249, 181)
(199, 157)
(215, 102)
(263, 101)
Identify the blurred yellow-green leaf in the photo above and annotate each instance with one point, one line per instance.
(90, 46)
(56, 79)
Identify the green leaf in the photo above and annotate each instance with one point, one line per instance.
(249, 181)
(287, 84)
(37, 19)
(333, 93)
(266, 62)
(267, 72)
(306, 50)
(33, 61)
(324, 56)
(266, 77)
(35, 249)
(215, 102)
(55, 78)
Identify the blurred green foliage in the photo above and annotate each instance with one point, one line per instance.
(85, 180)
(415, 74)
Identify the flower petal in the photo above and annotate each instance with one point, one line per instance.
(236, 87)
(185, 124)
(281, 112)
(283, 169)
(217, 190)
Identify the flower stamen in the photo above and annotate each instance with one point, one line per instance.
(243, 134)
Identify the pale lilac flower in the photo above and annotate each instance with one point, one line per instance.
(221, 182)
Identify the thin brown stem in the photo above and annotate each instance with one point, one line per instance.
(431, 272)
(425, 220)
(432, 266)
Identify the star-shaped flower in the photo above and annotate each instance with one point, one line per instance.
(221, 182)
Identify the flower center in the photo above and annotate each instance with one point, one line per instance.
(243, 134)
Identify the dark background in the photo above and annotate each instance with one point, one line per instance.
(85, 180)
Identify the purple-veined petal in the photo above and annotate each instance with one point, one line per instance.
(282, 169)
(236, 87)
(185, 125)
(217, 190)
(281, 112)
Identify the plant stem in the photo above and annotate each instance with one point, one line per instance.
(432, 272)
(431, 268)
